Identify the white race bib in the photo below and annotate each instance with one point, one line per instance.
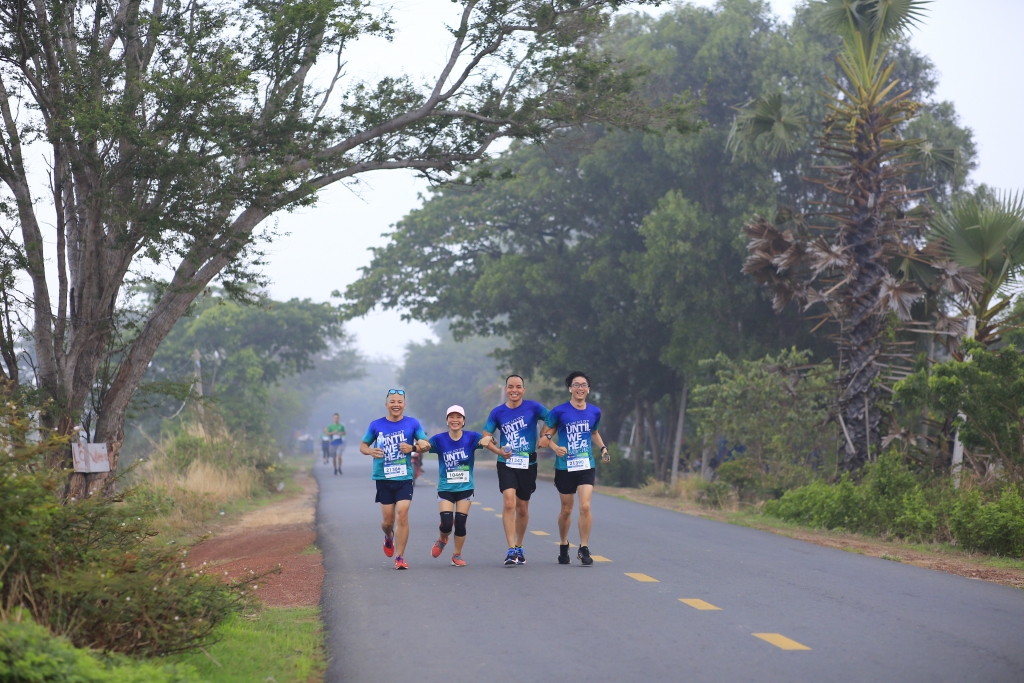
(578, 463)
(393, 471)
(458, 476)
(519, 461)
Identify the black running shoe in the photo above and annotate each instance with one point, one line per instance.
(563, 554)
(584, 556)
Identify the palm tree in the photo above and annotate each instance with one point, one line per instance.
(984, 232)
(846, 257)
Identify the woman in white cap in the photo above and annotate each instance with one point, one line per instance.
(455, 457)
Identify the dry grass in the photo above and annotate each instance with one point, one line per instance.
(216, 484)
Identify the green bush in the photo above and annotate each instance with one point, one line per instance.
(996, 527)
(90, 570)
(29, 654)
(621, 471)
(889, 500)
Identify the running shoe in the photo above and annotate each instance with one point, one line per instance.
(400, 563)
(520, 558)
(389, 546)
(457, 561)
(510, 557)
(563, 554)
(584, 556)
(438, 547)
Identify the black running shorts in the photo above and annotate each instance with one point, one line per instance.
(523, 481)
(455, 496)
(390, 492)
(567, 482)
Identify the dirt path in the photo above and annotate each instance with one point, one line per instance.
(281, 534)
(961, 564)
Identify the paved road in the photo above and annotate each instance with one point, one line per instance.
(864, 619)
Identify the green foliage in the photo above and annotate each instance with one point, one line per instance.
(992, 527)
(890, 500)
(621, 471)
(776, 410)
(29, 654)
(91, 570)
(989, 390)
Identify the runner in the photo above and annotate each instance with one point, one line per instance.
(516, 421)
(325, 446)
(576, 424)
(336, 433)
(390, 440)
(455, 458)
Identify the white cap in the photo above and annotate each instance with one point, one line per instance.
(455, 409)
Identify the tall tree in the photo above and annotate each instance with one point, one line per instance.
(174, 129)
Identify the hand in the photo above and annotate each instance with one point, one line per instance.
(377, 452)
(486, 441)
(560, 451)
(405, 448)
(605, 457)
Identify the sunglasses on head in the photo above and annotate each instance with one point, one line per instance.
(400, 392)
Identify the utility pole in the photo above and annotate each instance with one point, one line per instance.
(958, 447)
(197, 382)
(679, 435)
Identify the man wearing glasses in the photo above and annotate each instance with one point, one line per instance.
(575, 424)
(391, 440)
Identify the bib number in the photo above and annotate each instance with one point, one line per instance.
(520, 461)
(576, 464)
(458, 476)
(393, 471)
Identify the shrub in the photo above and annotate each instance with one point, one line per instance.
(621, 471)
(90, 570)
(29, 654)
(996, 527)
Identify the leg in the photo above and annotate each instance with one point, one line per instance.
(565, 516)
(586, 491)
(388, 525)
(444, 506)
(522, 519)
(508, 515)
(402, 526)
(461, 509)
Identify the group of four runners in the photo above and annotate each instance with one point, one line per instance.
(570, 430)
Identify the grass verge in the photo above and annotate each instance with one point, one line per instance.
(274, 645)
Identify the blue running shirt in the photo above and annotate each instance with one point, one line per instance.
(388, 435)
(574, 428)
(518, 426)
(455, 460)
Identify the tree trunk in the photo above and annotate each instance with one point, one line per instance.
(641, 445)
(652, 428)
(680, 426)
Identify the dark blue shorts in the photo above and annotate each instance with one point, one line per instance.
(390, 492)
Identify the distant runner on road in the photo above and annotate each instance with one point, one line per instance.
(325, 446)
(390, 440)
(576, 424)
(516, 422)
(336, 433)
(455, 459)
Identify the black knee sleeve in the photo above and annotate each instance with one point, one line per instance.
(446, 523)
(460, 523)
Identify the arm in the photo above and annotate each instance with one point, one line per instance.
(489, 442)
(365, 449)
(550, 435)
(596, 438)
(422, 446)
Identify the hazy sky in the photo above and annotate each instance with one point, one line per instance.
(327, 244)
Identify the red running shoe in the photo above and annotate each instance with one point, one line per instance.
(400, 563)
(438, 547)
(389, 546)
(457, 561)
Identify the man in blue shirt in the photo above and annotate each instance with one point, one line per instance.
(516, 422)
(575, 423)
(391, 440)
(455, 458)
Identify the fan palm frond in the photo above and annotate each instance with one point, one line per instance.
(767, 120)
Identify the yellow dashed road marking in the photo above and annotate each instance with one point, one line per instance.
(571, 545)
(780, 641)
(642, 578)
(699, 604)
(497, 515)
(474, 503)
(540, 533)
(488, 509)
(600, 558)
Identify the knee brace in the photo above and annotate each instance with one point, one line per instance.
(460, 523)
(446, 523)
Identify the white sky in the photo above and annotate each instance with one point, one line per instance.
(327, 244)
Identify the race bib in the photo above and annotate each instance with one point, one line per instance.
(458, 476)
(578, 463)
(519, 461)
(397, 470)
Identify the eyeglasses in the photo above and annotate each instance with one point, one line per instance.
(400, 392)
(580, 386)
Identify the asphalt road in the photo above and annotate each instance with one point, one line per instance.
(856, 618)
